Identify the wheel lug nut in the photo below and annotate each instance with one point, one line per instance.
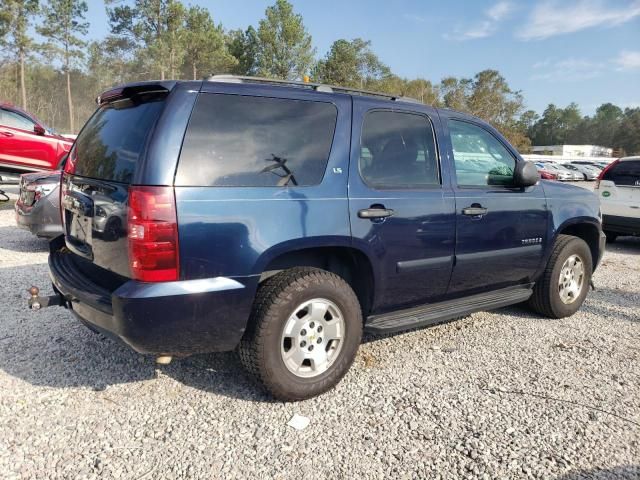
(303, 332)
(319, 328)
(311, 325)
(303, 344)
(310, 348)
(320, 340)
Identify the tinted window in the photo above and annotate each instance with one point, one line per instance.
(112, 141)
(398, 151)
(624, 173)
(238, 141)
(480, 159)
(15, 120)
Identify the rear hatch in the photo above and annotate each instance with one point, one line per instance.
(620, 189)
(98, 175)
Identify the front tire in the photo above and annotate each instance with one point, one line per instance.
(303, 334)
(564, 285)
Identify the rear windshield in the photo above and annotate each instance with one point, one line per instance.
(112, 141)
(624, 173)
(243, 141)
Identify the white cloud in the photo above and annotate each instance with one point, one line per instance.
(414, 17)
(567, 70)
(551, 18)
(485, 27)
(628, 60)
(499, 11)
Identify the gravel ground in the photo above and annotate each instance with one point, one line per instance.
(506, 394)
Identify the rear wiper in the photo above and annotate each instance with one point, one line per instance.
(280, 163)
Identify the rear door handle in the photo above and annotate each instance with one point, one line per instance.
(475, 210)
(373, 213)
(7, 134)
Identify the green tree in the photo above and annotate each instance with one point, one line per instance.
(351, 64)
(243, 46)
(422, 90)
(153, 30)
(627, 135)
(63, 28)
(605, 123)
(16, 16)
(455, 93)
(206, 45)
(284, 45)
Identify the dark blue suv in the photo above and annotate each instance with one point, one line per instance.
(284, 218)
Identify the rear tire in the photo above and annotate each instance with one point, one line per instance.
(303, 334)
(561, 290)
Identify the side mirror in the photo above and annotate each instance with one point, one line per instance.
(526, 174)
(38, 129)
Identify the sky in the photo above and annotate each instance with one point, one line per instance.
(553, 51)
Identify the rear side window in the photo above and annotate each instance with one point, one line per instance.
(15, 120)
(112, 141)
(398, 151)
(243, 141)
(624, 173)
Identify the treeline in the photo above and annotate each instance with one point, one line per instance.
(58, 74)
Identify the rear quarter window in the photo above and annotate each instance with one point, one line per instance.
(244, 141)
(624, 173)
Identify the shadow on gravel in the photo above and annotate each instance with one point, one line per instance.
(22, 241)
(625, 472)
(611, 302)
(51, 348)
(630, 245)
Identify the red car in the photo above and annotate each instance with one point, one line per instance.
(26, 144)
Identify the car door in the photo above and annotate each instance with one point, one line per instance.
(21, 146)
(401, 206)
(500, 228)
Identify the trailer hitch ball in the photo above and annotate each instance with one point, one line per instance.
(35, 301)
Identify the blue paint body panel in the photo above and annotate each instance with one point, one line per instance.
(427, 252)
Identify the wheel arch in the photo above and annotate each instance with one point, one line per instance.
(587, 231)
(351, 264)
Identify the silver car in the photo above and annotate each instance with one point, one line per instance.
(563, 174)
(589, 172)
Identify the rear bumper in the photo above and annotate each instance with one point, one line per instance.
(621, 225)
(171, 318)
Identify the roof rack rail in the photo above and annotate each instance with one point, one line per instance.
(318, 87)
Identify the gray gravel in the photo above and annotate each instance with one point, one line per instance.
(506, 394)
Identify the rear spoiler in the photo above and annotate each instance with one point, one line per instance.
(133, 90)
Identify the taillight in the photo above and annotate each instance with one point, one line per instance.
(608, 167)
(70, 164)
(153, 234)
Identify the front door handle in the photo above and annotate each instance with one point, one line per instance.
(7, 134)
(475, 210)
(375, 212)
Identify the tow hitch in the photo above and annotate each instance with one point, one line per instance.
(37, 302)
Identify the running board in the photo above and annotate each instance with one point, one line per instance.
(434, 313)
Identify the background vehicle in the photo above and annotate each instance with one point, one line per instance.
(561, 174)
(27, 144)
(38, 204)
(544, 173)
(619, 191)
(286, 218)
(587, 173)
